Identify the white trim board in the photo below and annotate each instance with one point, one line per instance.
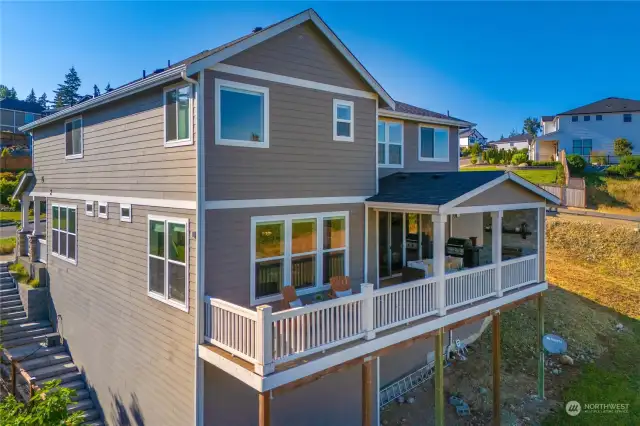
(495, 208)
(150, 202)
(281, 202)
(292, 81)
(264, 35)
(424, 119)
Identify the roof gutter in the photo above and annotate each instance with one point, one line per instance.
(424, 119)
(129, 89)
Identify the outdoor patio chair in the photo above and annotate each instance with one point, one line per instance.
(289, 298)
(340, 287)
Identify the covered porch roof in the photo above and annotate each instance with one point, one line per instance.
(553, 136)
(458, 192)
(25, 185)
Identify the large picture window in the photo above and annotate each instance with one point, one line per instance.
(73, 138)
(303, 251)
(433, 144)
(167, 261)
(177, 116)
(242, 114)
(64, 236)
(582, 146)
(390, 143)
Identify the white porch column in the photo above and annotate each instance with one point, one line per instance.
(37, 227)
(496, 246)
(24, 210)
(439, 224)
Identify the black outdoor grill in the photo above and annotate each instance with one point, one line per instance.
(462, 247)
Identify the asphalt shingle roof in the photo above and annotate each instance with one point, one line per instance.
(435, 188)
(548, 117)
(410, 109)
(606, 105)
(18, 105)
(517, 138)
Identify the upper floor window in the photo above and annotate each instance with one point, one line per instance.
(304, 251)
(574, 118)
(64, 242)
(626, 118)
(598, 117)
(587, 118)
(242, 114)
(433, 144)
(582, 146)
(177, 116)
(168, 278)
(73, 137)
(390, 143)
(343, 120)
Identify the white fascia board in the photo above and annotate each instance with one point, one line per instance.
(127, 90)
(426, 208)
(151, 202)
(424, 119)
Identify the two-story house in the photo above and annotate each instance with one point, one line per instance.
(260, 234)
(590, 129)
(470, 136)
(521, 141)
(15, 113)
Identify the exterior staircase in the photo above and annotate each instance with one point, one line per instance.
(23, 339)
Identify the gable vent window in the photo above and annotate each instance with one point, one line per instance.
(73, 138)
(343, 120)
(103, 210)
(177, 116)
(125, 213)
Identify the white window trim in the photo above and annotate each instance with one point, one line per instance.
(106, 205)
(93, 208)
(124, 218)
(59, 256)
(350, 138)
(387, 143)
(287, 219)
(265, 111)
(434, 159)
(81, 154)
(177, 142)
(165, 298)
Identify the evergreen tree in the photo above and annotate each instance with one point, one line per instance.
(42, 100)
(31, 98)
(3, 91)
(96, 91)
(108, 88)
(67, 93)
(12, 94)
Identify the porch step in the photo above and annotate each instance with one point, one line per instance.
(93, 423)
(10, 309)
(46, 361)
(33, 351)
(10, 303)
(42, 331)
(81, 405)
(52, 371)
(7, 285)
(64, 378)
(80, 395)
(27, 340)
(9, 329)
(8, 291)
(78, 385)
(14, 317)
(12, 295)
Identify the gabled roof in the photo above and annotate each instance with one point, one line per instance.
(444, 190)
(523, 137)
(465, 133)
(607, 105)
(26, 183)
(548, 118)
(404, 110)
(18, 105)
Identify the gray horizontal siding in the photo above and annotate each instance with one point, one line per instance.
(134, 350)
(228, 247)
(124, 154)
(302, 159)
(411, 163)
(301, 52)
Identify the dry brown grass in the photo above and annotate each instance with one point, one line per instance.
(613, 195)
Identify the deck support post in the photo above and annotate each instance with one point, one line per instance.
(439, 223)
(496, 367)
(496, 245)
(540, 347)
(439, 377)
(367, 392)
(264, 409)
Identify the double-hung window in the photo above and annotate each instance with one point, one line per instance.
(73, 138)
(64, 238)
(433, 144)
(241, 114)
(303, 251)
(177, 116)
(343, 120)
(582, 146)
(168, 257)
(390, 143)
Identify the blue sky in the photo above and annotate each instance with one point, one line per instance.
(490, 63)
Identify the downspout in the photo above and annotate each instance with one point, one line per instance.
(200, 233)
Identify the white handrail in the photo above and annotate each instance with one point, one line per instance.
(470, 286)
(519, 272)
(400, 304)
(519, 259)
(231, 327)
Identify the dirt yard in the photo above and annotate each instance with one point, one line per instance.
(594, 303)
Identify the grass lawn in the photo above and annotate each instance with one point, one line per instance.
(612, 194)
(537, 176)
(14, 216)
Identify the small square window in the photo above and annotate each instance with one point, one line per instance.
(73, 138)
(103, 210)
(88, 208)
(343, 120)
(626, 118)
(574, 118)
(598, 118)
(587, 118)
(125, 213)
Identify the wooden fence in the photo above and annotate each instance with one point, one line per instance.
(574, 191)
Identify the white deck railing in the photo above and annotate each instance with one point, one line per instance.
(266, 339)
(519, 272)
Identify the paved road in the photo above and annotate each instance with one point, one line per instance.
(10, 230)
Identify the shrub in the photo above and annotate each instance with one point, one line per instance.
(599, 157)
(632, 161)
(6, 190)
(14, 204)
(465, 151)
(519, 158)
(7, 176)
(475, 150)
(5, 153)
(622, 147)
(7, 245)
(621, 170)
(474, 160)
(20, 273)
(560, 177)
(576, 163)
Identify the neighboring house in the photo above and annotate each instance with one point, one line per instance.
(590, 129)
(14, 114)
(521, 141)
(470, 136)
(181, 205)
